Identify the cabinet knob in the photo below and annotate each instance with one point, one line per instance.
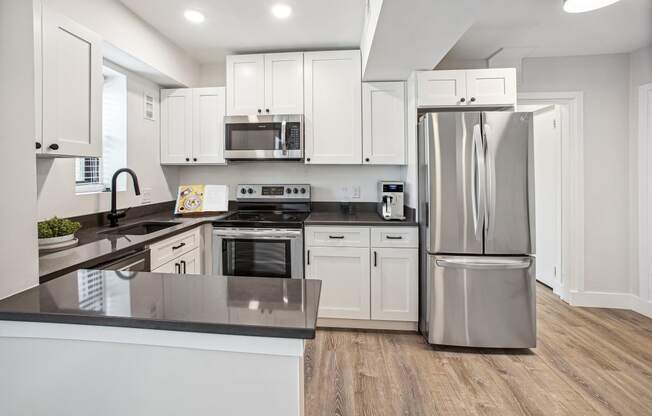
(462, 99)
(38, 145)
(194, 159)
(54, 146)
(307, 159)
(472, 99)
(366, 159)
(187, 159)
(267, 110)
(260, 111)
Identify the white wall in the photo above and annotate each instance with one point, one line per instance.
(56, 177)
(117, 25)
(640, 73)
(18, 247)
(329, 182)
(604, 79)
(212, 74)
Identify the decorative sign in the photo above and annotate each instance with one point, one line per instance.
(197, 199)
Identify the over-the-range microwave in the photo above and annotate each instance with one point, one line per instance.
(264, 137)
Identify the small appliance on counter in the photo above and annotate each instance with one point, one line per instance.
(391, 202)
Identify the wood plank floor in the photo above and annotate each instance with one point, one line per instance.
(588, 362)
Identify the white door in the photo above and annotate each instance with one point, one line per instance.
(645, 190)
(284, 83)
(245, 85)
(494, 86)
(176, 126)
(333, 111)
(441, 88)
(383, 123)
(190, 263)
(395, 284)
(344, 273)
(208, 108)
(72, 88)
(547, 185)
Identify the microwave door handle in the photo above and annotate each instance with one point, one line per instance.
(284, 139)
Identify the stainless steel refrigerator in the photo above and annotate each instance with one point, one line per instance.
(476, 208)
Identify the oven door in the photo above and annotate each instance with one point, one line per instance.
(258, 252)
(263, 137)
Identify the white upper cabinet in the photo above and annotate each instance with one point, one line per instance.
(208, 108)
(176, 126)
(284, 83)
(264, 84)
(192, 126)
(383, 123)
(333, 113)
(467, 88)
(245, 81)
(72, 88)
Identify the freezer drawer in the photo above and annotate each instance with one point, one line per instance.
(481, 301)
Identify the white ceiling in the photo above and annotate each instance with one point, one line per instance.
(237, 26)
(545, 27)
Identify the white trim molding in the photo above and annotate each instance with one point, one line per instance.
(572, 176)
(644, 200)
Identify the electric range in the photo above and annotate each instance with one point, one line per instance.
(264, 237)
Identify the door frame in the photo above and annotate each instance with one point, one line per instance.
(644, 160)
(572, 186)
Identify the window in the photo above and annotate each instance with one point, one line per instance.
(94, 174)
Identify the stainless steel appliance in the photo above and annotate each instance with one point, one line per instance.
(391, 202)
(278, 137)
(476, 213)
(264, 237)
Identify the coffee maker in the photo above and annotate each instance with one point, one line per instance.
(391, 202)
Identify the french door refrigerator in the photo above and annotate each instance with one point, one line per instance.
(476, 192)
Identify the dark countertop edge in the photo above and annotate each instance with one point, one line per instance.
(354, 223)
(179, 326)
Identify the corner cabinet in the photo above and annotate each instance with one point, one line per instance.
(264, 84)
(466, 88)
(70, 95)
(332, 107)
(192, 126)
(383, 123)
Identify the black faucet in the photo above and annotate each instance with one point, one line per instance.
(114, 215)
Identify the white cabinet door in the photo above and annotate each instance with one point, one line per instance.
(190, 263)
(208, 108)
(72, 88)
(176, 126)
(245, 84)
(169, 267)
(494, 86)
(333, 113)
(344, 273)
(394, 284)
(441, 88)
(284, 83)
(383, 123)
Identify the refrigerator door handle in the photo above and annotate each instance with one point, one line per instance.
(483, 263)
(478, 183)
(490, 184)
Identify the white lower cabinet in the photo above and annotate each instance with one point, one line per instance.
(178, 254)
(394, 284)
(369, 275)
(344, 272)
(189, 263)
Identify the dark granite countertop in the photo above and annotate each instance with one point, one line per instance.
(95, 248)
(266, 307)
(361, 214)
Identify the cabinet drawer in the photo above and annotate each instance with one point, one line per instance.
(337, 236)
(395, 237)
(166, 250)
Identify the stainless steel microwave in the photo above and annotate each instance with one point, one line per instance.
(277, 137)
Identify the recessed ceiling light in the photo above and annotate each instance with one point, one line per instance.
(194, 16)
(281, 11)
(580, 6)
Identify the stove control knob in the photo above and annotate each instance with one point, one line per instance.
(243, 191)
(251, 191)
(295, 190)
(288, 191)
(303, 190)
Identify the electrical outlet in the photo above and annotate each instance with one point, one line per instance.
(355, 192)
(146, 196)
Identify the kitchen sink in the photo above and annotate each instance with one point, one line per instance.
(141, 228)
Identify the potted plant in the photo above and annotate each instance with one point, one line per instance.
(56, 232)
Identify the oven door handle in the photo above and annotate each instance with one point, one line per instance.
(260, 235)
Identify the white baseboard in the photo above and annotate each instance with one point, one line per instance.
(612, 300)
